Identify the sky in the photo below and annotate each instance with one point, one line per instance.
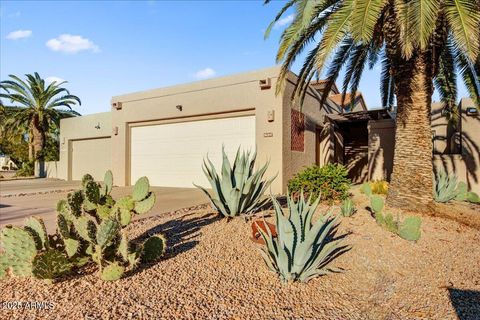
(108, 48)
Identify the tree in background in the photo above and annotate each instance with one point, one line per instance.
(35, 111)
(421, 44)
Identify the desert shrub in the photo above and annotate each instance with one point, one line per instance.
(448, 188)
(302, 249)
(89, 230)
(330, 182)
(239, 188)
(375, 187)
(27, 169)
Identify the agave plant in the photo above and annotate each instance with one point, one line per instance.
(238, 188)
(302, 250)
(447, 188)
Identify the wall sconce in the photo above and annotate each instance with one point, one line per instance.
(115, 131)
(265, 83)
(270, 115)
(179, 107)
(472, 112)
(97, 126)
(117, 105)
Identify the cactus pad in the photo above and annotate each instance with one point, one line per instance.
(86, 178)
(410, 228)
(37, 226)
(376, 203)
(92, 192)
(112, 272)
(153, 248)
(71, 246)
(108, 181)
(63, 226)
(125, 217)
(140, 190)
(50, 264)
(85, 228)
(107, 231)
(75, 201)
(145, 205)
(473, 197)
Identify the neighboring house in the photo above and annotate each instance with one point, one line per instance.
(6, 163)
(165, 133)
(366, 142)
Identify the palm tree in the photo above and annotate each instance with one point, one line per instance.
(420, 44)
(36, 109)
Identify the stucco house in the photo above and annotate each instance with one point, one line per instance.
(6, 163)
(165, 133)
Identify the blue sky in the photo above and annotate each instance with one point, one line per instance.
(106, 48)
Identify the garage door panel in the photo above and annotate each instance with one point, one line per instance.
(172, 154)
(91, 156)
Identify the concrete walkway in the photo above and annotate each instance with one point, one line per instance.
(15, 208)
(34, 186)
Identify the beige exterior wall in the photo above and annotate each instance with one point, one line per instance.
(231, 96)
(314, 112)
(54, 169)
(465, 165)
(470, 144)
(381, 141)
(79, 128)
(216, 98)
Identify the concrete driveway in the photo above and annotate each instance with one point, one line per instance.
(23, 198)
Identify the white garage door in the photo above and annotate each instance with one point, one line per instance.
(171, 155)
(91, 156)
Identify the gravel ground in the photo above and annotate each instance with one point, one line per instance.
(212, 270)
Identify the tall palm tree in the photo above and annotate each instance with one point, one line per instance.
(36, 109)
(420, 44)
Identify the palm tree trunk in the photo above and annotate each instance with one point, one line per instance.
(38, 144)
(38, 140)
(411, 185)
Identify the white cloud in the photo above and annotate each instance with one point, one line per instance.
(19, 34)
(284, 21)
(205, 73)
(71, 44)
(58, 80)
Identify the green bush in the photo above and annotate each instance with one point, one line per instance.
(27, 169)
(330, 182)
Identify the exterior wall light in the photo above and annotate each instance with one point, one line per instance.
(179, 107)
(472, 112)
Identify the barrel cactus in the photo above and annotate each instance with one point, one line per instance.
(302, 250)
(239, 188)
